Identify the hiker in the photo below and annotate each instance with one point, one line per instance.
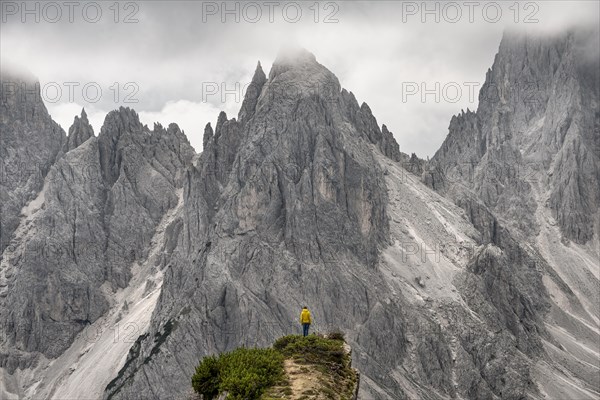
(305, 320)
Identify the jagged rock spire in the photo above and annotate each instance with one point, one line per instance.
(388, 145)
(220, 122)
(79, 132)
(208, 135)
(119, 128)
(252, 94)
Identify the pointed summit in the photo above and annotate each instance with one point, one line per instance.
(294, 54)
(208, 135)
(221, 120)
(294, 57)
(259, 75)
(124, 119)
(252, 94)
(79, 132)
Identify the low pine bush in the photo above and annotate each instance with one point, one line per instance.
(336, 335)
(244, 373)
(206, 380)
(312, 349)
(247, 374)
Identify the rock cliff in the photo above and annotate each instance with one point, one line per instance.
(31, 143)
(76, 241)
(534, 140)
(460, 287)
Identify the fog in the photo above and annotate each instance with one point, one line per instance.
(165, 59)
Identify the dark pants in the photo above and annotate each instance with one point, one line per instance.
(305, 329)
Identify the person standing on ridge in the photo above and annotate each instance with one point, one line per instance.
(305, 320)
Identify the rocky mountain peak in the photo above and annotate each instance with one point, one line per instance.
(79, 132)
(535, 118)
(301, 201)
(174, 130)
(31, 143)
(294, 55)
(121, 128)
(158, 127)
(124, 119)
(297, 72)
(221, 120)
(252, 94)
(104, 198)
(259, 78)
(364, 107)
(208, 135)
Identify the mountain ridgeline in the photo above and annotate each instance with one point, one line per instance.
(470, 276)
(534, 140)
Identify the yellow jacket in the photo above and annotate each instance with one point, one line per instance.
(305, 316)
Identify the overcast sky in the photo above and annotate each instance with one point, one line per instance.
(185, 61)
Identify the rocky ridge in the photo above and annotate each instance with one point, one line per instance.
(305, 199)
(537, 124)
(77, 239)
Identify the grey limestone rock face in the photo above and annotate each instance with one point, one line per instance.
(290, 205)
(31, 143)
(534, 140)
(79, 132)
(303, 199)
(94, 217)
(276, 208)
(525, 162)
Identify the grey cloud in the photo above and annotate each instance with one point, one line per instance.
(172, 55)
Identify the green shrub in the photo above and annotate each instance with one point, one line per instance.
(207, 378)
(312, 349)
(243, 373)
(283, 341)
(336, 335)
(246, 374)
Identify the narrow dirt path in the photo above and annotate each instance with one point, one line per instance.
(304, 380)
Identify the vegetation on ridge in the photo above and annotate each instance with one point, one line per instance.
(296, 367)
